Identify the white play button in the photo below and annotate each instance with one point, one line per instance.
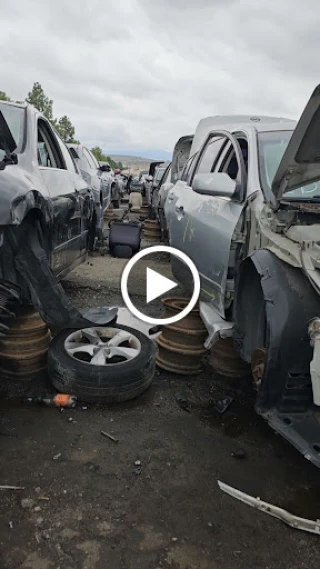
(157, 285)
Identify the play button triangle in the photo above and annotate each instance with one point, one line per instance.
(157, 285)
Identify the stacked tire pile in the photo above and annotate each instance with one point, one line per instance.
(151, 230)
(23, 351)
(181, 345)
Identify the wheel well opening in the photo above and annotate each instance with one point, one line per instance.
(35, 219)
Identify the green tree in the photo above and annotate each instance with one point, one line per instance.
(112, 163)
(120, 165)
(97, 152)
(65, 128)
(4, 97)
(38, 99)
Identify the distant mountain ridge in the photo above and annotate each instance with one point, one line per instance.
(144, 155)
(139, 162)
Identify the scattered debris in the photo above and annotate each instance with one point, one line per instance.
(221, 406)
(71, 420)
(56, 456)
(60, 400)
(174, 539)
(291, 520)
(10, 525)
(46, 534)
(182, 401)
(105, 434)
(37, 509)
(239, 454)
(5, 487)
(46, 498)
(138, 470)
(137, 463)
(84, 408)
(27, 503)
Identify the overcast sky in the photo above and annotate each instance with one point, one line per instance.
(135, 75)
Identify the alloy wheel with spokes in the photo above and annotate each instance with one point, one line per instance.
(102, 346)
(102, 364)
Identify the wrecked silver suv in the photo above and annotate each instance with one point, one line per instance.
(248, 215)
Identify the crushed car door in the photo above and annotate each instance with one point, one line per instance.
(208, 223)
(66, 219)
(300, 164)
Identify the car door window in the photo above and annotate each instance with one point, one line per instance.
(192, 167)
(89, 159)
(69, 162)
(49, 155)
(85, 165)
(210, 154)
(229, 163)
(93, 160)
(185, 170)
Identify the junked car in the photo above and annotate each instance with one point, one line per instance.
(174, 171)
(148, 181)
(248, 215)
(46, 218)
(115, 193)
(97, 177)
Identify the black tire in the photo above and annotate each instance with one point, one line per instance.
(106, 384)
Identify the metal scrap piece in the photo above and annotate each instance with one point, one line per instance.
(291, 520)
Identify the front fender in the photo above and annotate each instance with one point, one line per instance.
(23, 204)
(290, 303)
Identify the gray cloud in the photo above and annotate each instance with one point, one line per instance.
(140, 73)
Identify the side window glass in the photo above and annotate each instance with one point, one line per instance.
(191, 168)
(210, 155)
(66, 155)
(85, 165)
(94, 160)
(89, 159)
(48, 152)
(230, 163)
(185, 170)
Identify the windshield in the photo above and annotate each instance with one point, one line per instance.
(14, 117)
(271, 149)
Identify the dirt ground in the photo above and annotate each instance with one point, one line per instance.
(86, 504)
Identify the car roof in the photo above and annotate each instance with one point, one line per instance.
(14, 104)
(76, 146)
(232, 123)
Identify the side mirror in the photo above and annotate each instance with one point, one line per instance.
(215, 184)
(104, 168)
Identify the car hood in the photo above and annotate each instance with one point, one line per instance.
(300, 164)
